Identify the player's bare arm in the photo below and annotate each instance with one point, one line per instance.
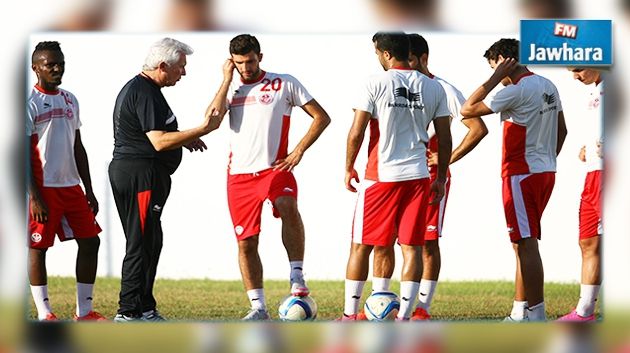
(83, 167)
(353, 145)
(562, 132)
(38, 207)
(218, 106)
(477, 130)
(320, 122)
(445, 145)
(216, 109)
(474, 105)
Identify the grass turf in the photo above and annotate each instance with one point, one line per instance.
(209, 300)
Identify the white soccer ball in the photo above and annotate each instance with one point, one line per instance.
(382, 306)
(293, 308)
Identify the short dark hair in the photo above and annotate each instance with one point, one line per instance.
(396, 43)
(243, 44)
(418, 45)
(45, 46)
(506, 47)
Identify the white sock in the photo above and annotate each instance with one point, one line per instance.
(354, 289)
(296, 274)
(519, 310)
(537, 312)
(257, 299)
(408, 291)
(380, 284)
(588, 296)
(425, 294)
(84, 298)
(40, 296)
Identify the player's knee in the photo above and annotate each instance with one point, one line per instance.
(431, 248)
(286, 206)
(361, 250)
(36, 253)
(590, 246)
(248, 246)
(89, 244)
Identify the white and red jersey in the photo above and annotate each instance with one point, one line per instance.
(52, 121)
(594, 133)
(402, 102)
(529, 111)
(260, 114)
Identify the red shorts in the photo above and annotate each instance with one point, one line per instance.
(591, 206)
(435, 213)
(388, 209)
(69, 216)
(525, 197)
(247, 192)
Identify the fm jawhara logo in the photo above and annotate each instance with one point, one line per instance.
(566, 42)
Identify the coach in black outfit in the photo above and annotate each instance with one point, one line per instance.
(147, 150)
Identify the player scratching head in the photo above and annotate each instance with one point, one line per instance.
(49, 64)
(392, 49)
(503, 59)
(246, 55)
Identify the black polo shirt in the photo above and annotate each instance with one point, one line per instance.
(140, 108)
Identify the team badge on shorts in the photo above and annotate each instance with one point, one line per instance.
(239, 230)
(36, 237)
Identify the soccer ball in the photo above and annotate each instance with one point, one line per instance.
(294, 308)
(382, 306)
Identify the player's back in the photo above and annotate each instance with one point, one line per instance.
(402, 103)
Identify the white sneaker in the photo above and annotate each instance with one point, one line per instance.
(126, 318)
(299, 288)
(257, 315)
(509, 318)
(153, 316)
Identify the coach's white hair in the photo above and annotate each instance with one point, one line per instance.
(166, 50)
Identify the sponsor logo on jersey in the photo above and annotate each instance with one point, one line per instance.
(240, 101)
(413, 100)
(36, 237)
(548, 99)
(403, 92)
(239, 230)
(265, 99)
(55, 113)
(566, 42)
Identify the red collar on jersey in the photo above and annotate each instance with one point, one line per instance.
(256, 80)
(528, 73)
(401, 68)
(41, 89)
